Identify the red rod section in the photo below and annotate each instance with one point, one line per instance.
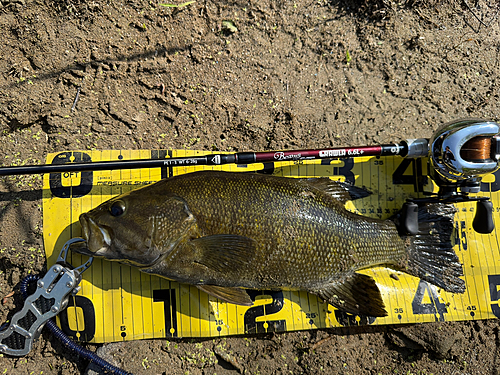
(318, 154)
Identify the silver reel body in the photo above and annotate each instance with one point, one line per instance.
(462, 152)
(446, 153)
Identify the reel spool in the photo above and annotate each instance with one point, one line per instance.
(461, 153)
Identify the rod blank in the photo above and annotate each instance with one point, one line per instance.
(213, 159)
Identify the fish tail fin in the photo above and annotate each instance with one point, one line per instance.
(431, 254)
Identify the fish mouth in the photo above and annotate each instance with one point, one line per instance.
(97, 237)
(85, 226)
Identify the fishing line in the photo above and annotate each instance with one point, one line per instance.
(477, 149)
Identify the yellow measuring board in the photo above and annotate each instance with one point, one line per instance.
(117, 302)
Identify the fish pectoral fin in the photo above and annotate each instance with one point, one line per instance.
(343, 191)
(224, 252)
(356, 294)
(232, 295)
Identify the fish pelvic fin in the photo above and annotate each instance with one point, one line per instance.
(342, 191)
(354, 293)
(431, 254)
(232, 295)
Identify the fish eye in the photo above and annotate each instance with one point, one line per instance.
(117, 208)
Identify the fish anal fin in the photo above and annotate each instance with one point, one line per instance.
(232, 295)
(356, 294)
(342, 191)
(224, 252)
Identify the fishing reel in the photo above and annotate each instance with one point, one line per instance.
(461, 153)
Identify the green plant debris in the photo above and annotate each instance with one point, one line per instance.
(228, 25)
(347, 56)
(178, 5)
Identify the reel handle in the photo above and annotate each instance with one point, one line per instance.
(483, 220)
(408, 220)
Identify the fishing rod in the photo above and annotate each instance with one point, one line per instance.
(410, 148)
(460, 153)
(478, 136)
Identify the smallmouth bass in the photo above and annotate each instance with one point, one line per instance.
(227, 232)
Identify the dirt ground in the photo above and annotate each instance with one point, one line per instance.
(238, 76)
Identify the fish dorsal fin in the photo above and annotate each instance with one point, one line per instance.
(232, 295)
(356, 294)
(224, 252)
(342, 191)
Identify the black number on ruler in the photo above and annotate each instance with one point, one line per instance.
(166, 172)
(416, 178)
(434, 307)
(345, 170)
(462, 235)
(493, 186)
(86, 178)
(494, 282)
(251, 326)
(348, 320)
(167, 296)
(87, 331)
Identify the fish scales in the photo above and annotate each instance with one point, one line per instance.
(226, 231)
(303, 236)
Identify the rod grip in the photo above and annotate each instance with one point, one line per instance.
(245, 158)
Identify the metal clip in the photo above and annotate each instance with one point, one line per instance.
(63, 255)
(51, 297)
